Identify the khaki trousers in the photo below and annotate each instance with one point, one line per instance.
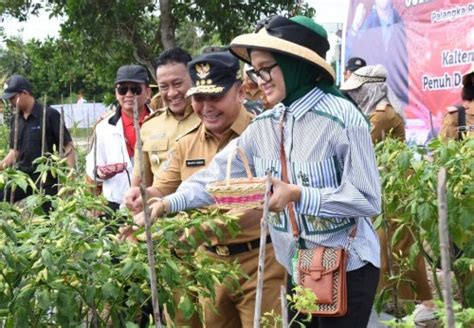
(236, 308)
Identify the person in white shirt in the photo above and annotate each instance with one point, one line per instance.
(110, 160)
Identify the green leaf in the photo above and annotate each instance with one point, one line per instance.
(404, 160)
(110, 291)
(9, 232)
(397, 235)
(43, 299)
(186, 306)
(47, 257)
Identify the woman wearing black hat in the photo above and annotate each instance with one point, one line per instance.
(333, 179)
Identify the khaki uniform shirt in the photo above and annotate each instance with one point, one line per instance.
(156, 103)
(194, 152)
(386, 122)
(159, 134)
(449, 129)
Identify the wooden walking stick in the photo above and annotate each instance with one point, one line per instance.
(444, 247)
(261, 254)
(146, 212)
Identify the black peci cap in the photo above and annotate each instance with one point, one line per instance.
(213, 73)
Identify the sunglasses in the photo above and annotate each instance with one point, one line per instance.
(134, 89)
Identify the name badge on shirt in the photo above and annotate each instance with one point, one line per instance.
(195, 162)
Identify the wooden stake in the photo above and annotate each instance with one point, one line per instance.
(284, 307)
(43, 138)
(61, 129)
(146, 211)
(389, 254)
(261, 254)
(61, 139)
(444, 247)
(15, 147)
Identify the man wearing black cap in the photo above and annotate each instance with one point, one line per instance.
(217, 97)
(353, 64)
(18, 92)
(110, 161)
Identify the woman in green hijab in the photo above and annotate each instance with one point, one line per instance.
(332, 183)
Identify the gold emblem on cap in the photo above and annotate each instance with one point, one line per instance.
(202, 70)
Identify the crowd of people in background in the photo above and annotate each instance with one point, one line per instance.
(284, 110)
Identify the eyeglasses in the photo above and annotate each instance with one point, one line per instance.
(263, 73)
(134, 89)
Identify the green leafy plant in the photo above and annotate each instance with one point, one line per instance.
(68, 268)
(409, 180)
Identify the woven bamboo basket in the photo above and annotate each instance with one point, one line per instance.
(239, 193)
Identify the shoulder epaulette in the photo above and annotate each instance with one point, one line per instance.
(154, 114)
(188, 132)
(452, 109)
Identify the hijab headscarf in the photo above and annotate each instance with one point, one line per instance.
(367, 86)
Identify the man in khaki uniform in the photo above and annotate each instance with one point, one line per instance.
(367, 87)
(459, 120)
(160, 131)
(384, 121)
(217, 100)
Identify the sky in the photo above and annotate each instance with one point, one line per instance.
(329, 11)
(42, 26)
(38, 27)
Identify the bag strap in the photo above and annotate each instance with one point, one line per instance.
(284, 178)
(461, 120)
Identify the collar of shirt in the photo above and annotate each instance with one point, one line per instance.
(129, 130)
(238, 127)
(36, 111)
(187, 111)
(302, 105)
(128, 121)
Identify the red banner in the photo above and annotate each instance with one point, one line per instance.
(426, 47)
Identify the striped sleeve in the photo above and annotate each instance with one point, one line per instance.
(359, 191)
(192, 192)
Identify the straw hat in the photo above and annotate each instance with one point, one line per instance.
(366, 74)
(298, 37)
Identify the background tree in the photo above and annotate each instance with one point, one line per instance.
(99, 36)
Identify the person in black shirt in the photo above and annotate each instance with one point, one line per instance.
(29, 143)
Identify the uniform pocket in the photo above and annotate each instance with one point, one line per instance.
(156, 150)
(323, 174)
(263, 165)
(156, 145)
